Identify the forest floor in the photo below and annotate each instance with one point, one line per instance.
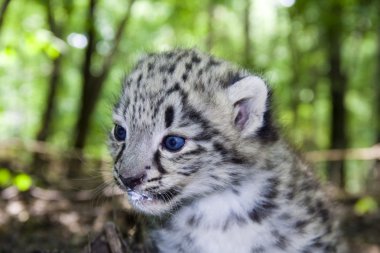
(42, 220)
(46, 220)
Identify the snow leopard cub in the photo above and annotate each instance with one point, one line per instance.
(194, 141)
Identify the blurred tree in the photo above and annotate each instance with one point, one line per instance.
(295, 67)
(377, 83)
(377, 77)
(92, 83)
(51, 97)
(375, 173)
(333, 29)
(3, 10)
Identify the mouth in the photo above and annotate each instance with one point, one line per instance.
(144, 199)
(152, 202)
(151, 197)
(138, 197)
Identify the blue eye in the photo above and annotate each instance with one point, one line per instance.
(119, 132)
(173, 143)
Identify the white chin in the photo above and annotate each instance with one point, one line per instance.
(147, 204)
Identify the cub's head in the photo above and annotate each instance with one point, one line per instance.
(186, 125)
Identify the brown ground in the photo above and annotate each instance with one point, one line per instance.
(46, 220)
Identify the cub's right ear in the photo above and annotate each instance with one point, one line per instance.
(249, 97)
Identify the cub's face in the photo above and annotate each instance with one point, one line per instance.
(175, 133)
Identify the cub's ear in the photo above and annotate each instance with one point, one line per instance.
(249, 96)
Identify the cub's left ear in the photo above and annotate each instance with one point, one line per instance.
(249, 97)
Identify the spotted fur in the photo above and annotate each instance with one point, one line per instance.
(235, 186)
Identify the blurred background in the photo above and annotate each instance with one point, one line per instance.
(61, 64)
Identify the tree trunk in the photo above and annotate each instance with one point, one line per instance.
(92, 84)
(44, 130)
(374, 183)
(43, 133)
(50, 103)
(338, 85)
(295, 81)
(89, 96)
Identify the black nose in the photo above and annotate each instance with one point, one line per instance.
(132, 182)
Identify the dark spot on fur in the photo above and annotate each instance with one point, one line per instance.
(268, 132)
(120, 153)
(162, 69)
(316, 242)
(195, 59)
(285, 216)
(300, 225)
(236, 191)
(218, 147)
(203, 136)
(262, 210)
(171, 68)
(154, 179)
(237, 160)
(232, 79)
(188, 66)
(281, 240)
(139, 80)
(169, 116)
(215, 177)
(290, 195)
(150, 66)
(184, 77)
(324, 214)
(199, 150)
(271, 191)
(257, 250)
(194, 220)
(157, 161)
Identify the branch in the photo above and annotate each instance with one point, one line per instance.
(3, 9)
(51, 20)
(371, 153)
(86, 68)
(113, 238)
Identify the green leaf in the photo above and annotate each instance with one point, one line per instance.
(23, 181)
(5, 177)
(52, 52)
(366, 205)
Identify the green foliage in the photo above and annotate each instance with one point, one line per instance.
(287, 48)
(22, 181)
(366, 205)
(5, 177)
